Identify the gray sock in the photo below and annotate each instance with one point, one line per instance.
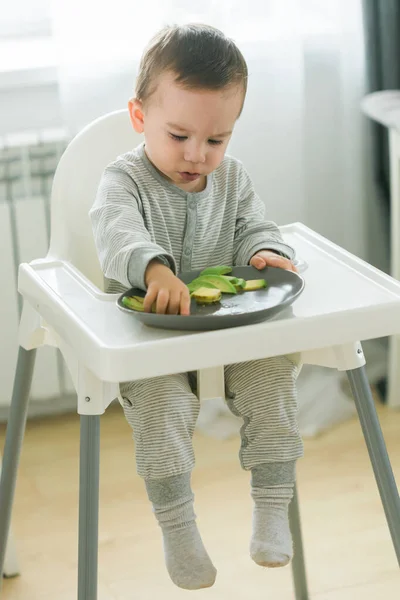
(186, 559)
(271, 542)
(272, 490)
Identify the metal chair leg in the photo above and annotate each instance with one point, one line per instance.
(298, 563)
(11, 565)
(377, 452)
(88, 507)
(13, 445)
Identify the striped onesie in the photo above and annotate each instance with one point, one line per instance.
(138, 216)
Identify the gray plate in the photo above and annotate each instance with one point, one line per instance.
(244, 308)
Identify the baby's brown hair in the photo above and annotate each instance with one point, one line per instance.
(200, 56)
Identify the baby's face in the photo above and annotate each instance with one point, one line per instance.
(187, 131)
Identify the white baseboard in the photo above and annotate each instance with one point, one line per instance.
(43, 408)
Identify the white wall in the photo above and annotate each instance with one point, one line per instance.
(29, 107)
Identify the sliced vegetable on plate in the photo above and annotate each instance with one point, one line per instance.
(253, 285)
(208, 287)
(206, 296)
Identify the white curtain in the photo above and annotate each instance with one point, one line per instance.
(300, 134)
(25, 18)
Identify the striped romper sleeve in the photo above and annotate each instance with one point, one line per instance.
(253, 232)
(123, 243)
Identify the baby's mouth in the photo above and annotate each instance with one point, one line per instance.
(187, 176)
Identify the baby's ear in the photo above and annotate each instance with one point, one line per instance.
(135, 108)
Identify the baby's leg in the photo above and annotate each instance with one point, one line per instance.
(162, 413)
(263, 393)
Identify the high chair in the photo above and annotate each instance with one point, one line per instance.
(345, 300)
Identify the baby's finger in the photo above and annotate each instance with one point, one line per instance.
(279, 262)
(162, 301)
(150, 298)
(185, 303)
(289, 266)
(174, 303)
(258, 262)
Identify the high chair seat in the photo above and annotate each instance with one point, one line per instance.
(345, 300)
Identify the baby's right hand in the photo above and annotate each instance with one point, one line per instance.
(169, 293)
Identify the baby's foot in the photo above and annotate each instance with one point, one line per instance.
(271, 543)
(187, 561)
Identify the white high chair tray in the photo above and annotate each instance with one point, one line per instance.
(345, 300)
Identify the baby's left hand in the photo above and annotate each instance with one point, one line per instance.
(268, 258)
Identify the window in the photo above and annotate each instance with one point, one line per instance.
(25, 18)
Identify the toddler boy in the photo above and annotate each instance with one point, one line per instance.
(178, 203)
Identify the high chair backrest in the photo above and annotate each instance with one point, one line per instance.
(74, 189)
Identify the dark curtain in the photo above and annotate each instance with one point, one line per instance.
(382, 51)
(382, 47)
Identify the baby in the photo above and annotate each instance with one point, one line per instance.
(178, 203)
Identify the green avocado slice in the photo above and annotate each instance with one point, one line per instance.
(255, 284)
(215, 281)
(206, 296)
(198, 283)
(135, 303)
(238, 282)
(222, 270)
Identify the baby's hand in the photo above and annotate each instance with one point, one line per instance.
(268, 258)
(169, 293)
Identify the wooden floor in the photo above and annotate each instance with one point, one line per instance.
(347, 544)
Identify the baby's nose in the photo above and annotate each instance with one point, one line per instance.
(195, 154)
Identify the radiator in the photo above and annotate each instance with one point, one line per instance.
(27, 166)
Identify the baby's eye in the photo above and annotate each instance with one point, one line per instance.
(215, 142)
(178, 138)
